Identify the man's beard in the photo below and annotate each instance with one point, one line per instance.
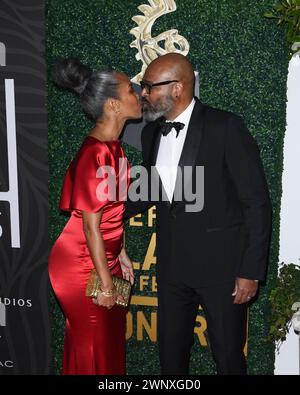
(151, 112)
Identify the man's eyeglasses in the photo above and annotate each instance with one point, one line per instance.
(149, 85)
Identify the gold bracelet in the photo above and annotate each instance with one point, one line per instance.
(108, 293)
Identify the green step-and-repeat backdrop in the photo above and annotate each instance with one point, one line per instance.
(242, 62)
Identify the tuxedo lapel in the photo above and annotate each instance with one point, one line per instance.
(189, 151)
(155, 145)
(156, 180)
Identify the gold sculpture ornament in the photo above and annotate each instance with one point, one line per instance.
(149, 48)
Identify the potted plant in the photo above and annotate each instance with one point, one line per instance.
(282, 298)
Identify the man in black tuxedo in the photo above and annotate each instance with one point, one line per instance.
(213, 254)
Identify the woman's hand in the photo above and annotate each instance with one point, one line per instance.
(105, 301)
(126, 266)
(108, 301)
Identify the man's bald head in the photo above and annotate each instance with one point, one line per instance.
(176, 92)
(173, 66)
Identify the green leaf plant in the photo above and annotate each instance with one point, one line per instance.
(287, 13)
(282, 297)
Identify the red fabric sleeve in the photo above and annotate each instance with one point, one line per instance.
(85, 184)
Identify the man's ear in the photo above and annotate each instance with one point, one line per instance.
(178, 88)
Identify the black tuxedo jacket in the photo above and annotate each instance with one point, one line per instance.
(230, 236)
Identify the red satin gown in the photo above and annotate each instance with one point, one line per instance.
(94, 336)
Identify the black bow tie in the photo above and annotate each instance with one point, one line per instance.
(166, 127)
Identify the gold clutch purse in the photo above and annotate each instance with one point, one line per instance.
(122, 286)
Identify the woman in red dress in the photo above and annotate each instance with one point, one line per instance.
(93, 236)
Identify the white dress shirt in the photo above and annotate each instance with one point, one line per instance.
(169, 152)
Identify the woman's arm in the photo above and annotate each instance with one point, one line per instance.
(126, 264)
(95, 243)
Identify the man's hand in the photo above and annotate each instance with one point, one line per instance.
(126, 266)
(244, 290)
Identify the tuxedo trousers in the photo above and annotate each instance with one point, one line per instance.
(178, 306)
